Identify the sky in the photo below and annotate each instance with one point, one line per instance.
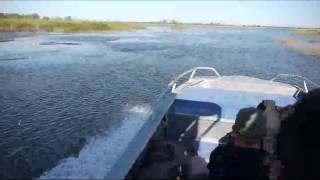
(274, 13)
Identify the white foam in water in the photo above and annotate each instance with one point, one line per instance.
(101, 153)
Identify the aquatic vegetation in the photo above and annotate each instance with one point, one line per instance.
(14, 24)
(314, 40)
(176, 26)
(13, 58)
(305, 47)
(6, 40)
(59, 43)
(315, 31)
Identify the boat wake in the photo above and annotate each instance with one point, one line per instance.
(99, 155)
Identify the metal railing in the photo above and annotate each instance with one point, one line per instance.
(305, 81)
(305, 86)
(192, 72)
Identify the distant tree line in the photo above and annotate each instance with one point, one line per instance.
(31, 16)
(15, 15)
(165, 21)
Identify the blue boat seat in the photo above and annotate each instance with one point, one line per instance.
(226, 103)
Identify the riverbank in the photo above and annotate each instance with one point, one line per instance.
(307, 47)
(179, 26)
(13, 24)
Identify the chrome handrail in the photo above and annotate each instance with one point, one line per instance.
(305, 80)
(192, 72)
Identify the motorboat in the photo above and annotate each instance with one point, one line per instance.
(194, 115)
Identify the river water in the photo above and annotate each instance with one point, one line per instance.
(69, 110)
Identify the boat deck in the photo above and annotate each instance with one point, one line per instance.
(240, 84)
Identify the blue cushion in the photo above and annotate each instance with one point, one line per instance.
(196, 108)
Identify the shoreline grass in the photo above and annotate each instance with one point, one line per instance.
(12, 24)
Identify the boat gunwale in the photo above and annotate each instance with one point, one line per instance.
(276, 79)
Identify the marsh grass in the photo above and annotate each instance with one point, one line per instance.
(305, 47)
(56, 25)
(176, 26)
(314, 31)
